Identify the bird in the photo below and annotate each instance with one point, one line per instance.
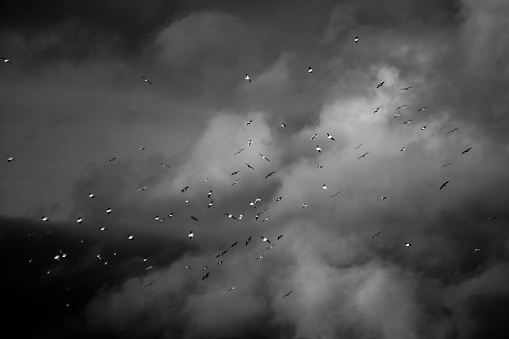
(184, 189)
(287, 294)
(103, 228)
(264, 157)
(150, 283)
(113, 159)
(188, 268)
(279, 199)
(304, 205)
(405, 88)
(170, 215)
(318, 149)
(330, 137)
(220, 262)
(231, 216)
(249, 122)
(357, 147)
(423, 128)
(249, 142)
(455, 128)
(248, 241)
(231, 288)
(238, 151)
(204, 180)
(141, 189)
(465, 151)
(164, 165)
(234, 244)
(376, 110)
(356, 39)
(142, 148)
(376, 235)
(407, 244)
(324, 187)
(249, 166)
(402, 149)
(490, 218)
(247, 78)
(279, 237)
(407, 122)
(310, 70)
(191, 235)
(91, 195)
(235, 182)
(444, 184)
(314, 136)
(445, 165)
(320, 166)
(130, 237)
(205, 276)
(194, 218)
(268, 175)
(283, 125)
(146, 80)
(400, 107)
(362, 156)
(44, 218)
(380, 84)
(236, 172)
(266, 218)
(422, 109)
(259, 257)
(6, 61)
(396, 115)
(383, 197)
(79, 220)
(335, 194)
(108, 210)
(476, 250)
(210, 204)
(209, 194)
(9, 158)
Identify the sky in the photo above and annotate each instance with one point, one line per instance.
(384, 125)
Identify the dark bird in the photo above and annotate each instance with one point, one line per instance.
(362, 156)
(376, 235)
(205, 276)
(304, 205)
(444, 184)
(449, 163)
(170, 215)
(400, 107)
(268, 175)
(238, 151)
(380, 84)
(310, 70)
(405, 88)
(287, 294)
(236, 182)
(209, 194)
(465, 151)
(314, 136)
(265, 239)
(357, 147)
(236, 172)
(330, 137)
(264, 157)
(113, 159)
(248, 241)
(455, 128)
(249, 142)
(422, 109)
(383, 197)
(164, 165)
(279, 237)
(490, 218)
(184, 189)
(249, 122)
(150, 283)
(234, 244)
(249, 166)
(279, 199)
(407, 122)
(423, 128)
(376, 110)
(396, 115)
(194, 218)
(146, 80)
(231, 288)
(335, 194)
(402, 149)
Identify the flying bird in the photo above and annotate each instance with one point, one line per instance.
(130, 237)
(234, 244)
(184, 189)
(91, 195)
(380, 84)
(205, 276)
(287, 294)
(318, 149)
(150, 283)
(400, 107)
(476, 250)
(314, 136)
(449, 163)
(264, 157)
(238, 151)
(6, 61)
(249, 122)
(9, 158)
(324, 187)
(210, 204)
(268, 175)
(444, 184)
(330, 137)
(141, 189)
(376, 235)
(407, 244)
(383, 197)
(376, 110)
(164, 165)
(455, 128)
(320, 166)
(310, 70)
(465, 151)
(279, 199)
(279, 237)
(209, 194)
(422, 109)
(79, 220)
(402, 149)
(236, 182)
(405, 88)
(357, 147)
(146, 80)
(247, 78)
(249, 142)
(236, 172)
(490, 218)
(396, 115)
(248, 241)
(335, 194)
(362, 156)
(191, 235)
(194, 218)
(249, 166)
(423, 128)
(108, 210)
(304, 205)
(283, 125)
(356, 39)
(407, 122)
(231, 288)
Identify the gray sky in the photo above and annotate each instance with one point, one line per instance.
(73, 98)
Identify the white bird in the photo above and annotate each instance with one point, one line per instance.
(356, 39)
(45, 218)
(477, 249)
(423, 128)
(9, 158)
(91, 195)
(191, 235)
(407, 122)
(103, 228)
(210, 193)
(407, 244)
(303, 205)
(231, 288)
(396, 115)
(247, 77)
(422, 109)
(146, 80)
(108, 210)
(130, 237)
(310, 70)
(330, 137)
(324, 187)
(210, 204)
(283, 125)
(402, 149)
(318, 149)
(259, 257)
(383, 198)
(141, 189)
(79, 220)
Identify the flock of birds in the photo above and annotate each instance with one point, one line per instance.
(61, 255)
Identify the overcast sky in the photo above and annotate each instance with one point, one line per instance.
(396, 228)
